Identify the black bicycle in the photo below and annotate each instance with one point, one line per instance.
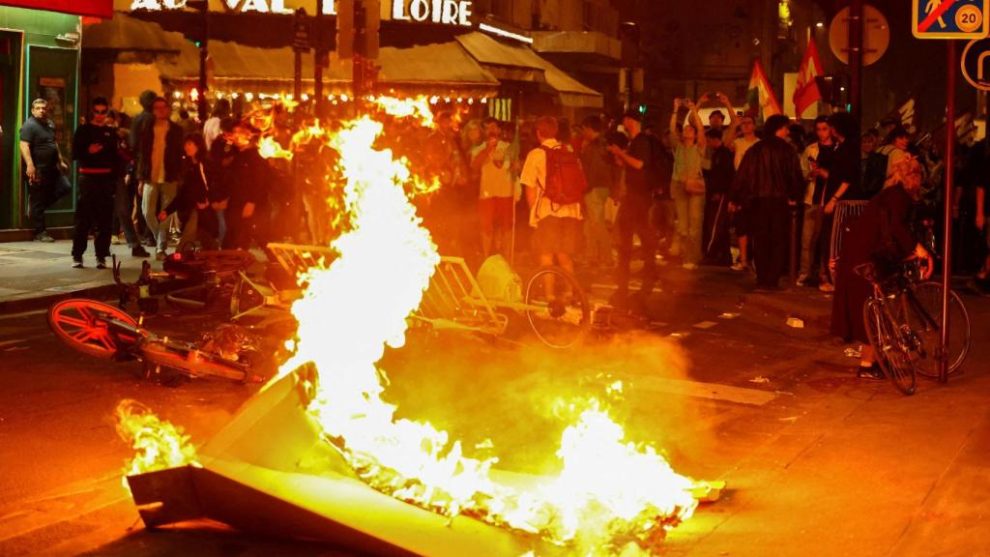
(903, 321)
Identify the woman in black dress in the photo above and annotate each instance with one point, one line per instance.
(881, 235)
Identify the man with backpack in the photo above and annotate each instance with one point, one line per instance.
(634, 209)
(555, 187)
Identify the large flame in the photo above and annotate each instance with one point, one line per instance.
(610, 492)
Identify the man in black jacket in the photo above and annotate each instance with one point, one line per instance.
(159, 165)
(769, 181)
(718, 181)
(95, 148)
(246, 185)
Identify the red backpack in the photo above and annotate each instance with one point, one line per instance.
(565, 183)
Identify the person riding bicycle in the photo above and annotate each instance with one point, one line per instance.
(883, 236)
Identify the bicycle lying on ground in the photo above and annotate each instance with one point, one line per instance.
(903, 321)
(103, 331)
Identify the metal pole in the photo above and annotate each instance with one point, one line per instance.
(319, 54)
(202, 106)
(856, 68)
(950, 148)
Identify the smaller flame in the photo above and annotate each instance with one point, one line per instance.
(157, 444)
(270, 149)
(418, 108)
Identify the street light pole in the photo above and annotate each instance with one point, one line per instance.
(319, 56)
(950, 149)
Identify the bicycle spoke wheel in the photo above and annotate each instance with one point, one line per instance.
(557, 308)
(923, 308)
(890, 348)
(82, 324)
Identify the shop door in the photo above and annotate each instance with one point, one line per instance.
(10, 79)
(51, 75)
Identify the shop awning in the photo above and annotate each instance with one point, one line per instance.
(520, 63)
(247, 68)
(96, 8)
(410, 71)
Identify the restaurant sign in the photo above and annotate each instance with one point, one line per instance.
(443, 12)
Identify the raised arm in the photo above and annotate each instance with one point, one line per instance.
(731, 130)
(675, 135)
(696, 120)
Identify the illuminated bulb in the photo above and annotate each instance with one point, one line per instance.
(820, 25)
(484, 100)
(333, 98)
(219, 94)
(471, 100)
(249, 96)
(177, 95)
(446, 99)
(460, 99)
(234, 95)
(434, 99)
(345, 98)
(304, 97)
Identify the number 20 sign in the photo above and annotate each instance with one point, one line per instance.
(950, 19)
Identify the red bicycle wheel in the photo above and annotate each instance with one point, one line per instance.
(82, 324)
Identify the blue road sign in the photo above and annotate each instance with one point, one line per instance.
(950, 19)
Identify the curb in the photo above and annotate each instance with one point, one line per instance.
(33, 303)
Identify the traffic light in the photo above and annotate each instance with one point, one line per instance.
(196, 30)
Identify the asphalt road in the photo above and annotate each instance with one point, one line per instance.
(817, 462)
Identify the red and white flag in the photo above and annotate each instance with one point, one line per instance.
(807, 92)
(761, 98)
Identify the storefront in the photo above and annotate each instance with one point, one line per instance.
(39, 58)
(439, 54)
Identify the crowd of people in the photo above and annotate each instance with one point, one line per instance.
(721, 193)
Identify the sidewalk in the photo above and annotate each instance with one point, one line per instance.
(33, 275)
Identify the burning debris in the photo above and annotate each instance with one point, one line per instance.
(157, 444)
(610, 495)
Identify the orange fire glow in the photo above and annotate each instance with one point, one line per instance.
(157, 444)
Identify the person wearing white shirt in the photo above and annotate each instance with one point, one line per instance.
(558, 227)
(497, 190)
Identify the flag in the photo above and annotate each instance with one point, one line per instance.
(807, 92)
(761, 99)
(904, 115)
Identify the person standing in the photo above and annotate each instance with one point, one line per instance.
(815, 161)
(688, 183)
(741, 215)
(496, 192)
(192, 204)
(211, 128)
(634, 210)
(44, 166)
(159, 168)
(718, 182)
(841, 180)
(769, 180)
(247, 213)
(94, 147)
(597, 166)
(557, 222)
